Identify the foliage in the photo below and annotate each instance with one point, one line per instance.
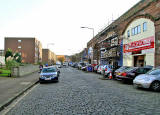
(17, 57)
(61, 59)
(73, 58)
(11, 63)
(8, 54)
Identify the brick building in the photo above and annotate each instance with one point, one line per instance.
(48, 57)
(138, 31)
(29, 48)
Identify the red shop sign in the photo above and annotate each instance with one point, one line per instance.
(143, 44)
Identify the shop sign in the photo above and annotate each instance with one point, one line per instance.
(143, 44)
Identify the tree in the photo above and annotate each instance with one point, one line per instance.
(61, 59)
(8, 54)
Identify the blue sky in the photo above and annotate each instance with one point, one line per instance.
(58, 21)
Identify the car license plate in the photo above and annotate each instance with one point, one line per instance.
(47, 78)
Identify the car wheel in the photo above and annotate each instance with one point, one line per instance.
(155, 86)
(124, 81)
(135, 86)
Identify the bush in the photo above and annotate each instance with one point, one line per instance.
(11, 63)
(17, 57)
(8, 54)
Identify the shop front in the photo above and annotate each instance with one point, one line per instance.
(139, 43)
(139, 53)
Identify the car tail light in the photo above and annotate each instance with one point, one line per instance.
(124, 74)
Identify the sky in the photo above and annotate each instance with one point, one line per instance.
(57, 23)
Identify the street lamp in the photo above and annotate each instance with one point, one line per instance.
(90, 29)
(49, 44)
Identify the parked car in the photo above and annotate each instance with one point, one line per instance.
(49, 74)
(100, 69)
(149, 80)
(107, 69)
(132, 72)
(120, 70)
(80, 65)
(75, 65)
(84, 66)
(59, 65)
(65, 64)
(95, 68)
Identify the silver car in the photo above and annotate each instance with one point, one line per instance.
(149, 80)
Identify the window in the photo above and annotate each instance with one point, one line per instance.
(133, 33)
(145, 26)
(128, 33)
(139, 29)
(19, 47)
(19, 41)
(136, 30)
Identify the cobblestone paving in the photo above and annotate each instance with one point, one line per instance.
(81, 93)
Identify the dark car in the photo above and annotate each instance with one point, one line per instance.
(120, 70)
(49, 74)
(131, 73)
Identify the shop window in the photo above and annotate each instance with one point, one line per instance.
(128, 33)
(139, 29)
(144, 26)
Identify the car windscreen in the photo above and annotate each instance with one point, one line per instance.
(154, 72)
(130, 69)
(48, 70)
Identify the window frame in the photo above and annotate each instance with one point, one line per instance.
(19, 41)
(128, 33)
(144, 26)
(19, 47)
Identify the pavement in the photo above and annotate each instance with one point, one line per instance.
(13, 87)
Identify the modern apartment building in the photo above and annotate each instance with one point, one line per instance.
(29, 48)
(48, 56)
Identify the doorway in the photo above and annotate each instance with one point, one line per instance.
(139, 61)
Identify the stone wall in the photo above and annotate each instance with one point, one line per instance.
(24, 70)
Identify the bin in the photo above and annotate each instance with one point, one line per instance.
(90, 68)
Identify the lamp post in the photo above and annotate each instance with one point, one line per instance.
(93, 37)
(90, 29)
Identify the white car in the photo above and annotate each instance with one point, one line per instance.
(100, 69)
(149, 80)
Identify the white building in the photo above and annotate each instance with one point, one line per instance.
(139, 43)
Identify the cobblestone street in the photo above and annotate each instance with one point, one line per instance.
(81, 93)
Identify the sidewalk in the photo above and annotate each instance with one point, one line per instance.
(11, 88)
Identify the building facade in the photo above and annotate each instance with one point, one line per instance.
(29, 48)
(133, 39)
(48, 57)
